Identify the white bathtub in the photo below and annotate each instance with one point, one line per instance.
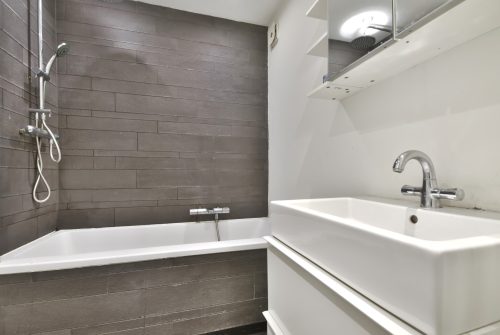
(66, 249)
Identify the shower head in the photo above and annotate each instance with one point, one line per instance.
(366, 42)
(62, 50)
(363, 42)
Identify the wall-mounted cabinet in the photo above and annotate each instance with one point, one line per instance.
(372, 40)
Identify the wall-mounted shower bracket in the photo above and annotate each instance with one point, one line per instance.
(34, 111)
(43, 74)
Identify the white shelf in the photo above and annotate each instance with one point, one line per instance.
(331, 91)
(320, 47)
(318, 10)
(433, 37)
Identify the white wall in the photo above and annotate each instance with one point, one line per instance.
(448, 107)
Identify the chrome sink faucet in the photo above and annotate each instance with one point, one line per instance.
(430, 194)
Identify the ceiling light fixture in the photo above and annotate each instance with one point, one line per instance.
(359, 24)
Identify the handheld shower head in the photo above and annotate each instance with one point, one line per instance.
(62, 50)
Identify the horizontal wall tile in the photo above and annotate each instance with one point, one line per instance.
(134, 194)
(194, 129)
(108, 17)
(242, 131)
(134, 116)
(86, 218)
(66, 196)
(202, 294)
(129, 153)
(85, 99)
(109, 69)
(175, 142)
(211, 323)
(228, 192)
(112, 204)
(13, 319)
(79, 82)
(14, 181)
(86, 311)
(77, 163)
(156, 163)
(76, 112)
(213, 80)
(187, 273)
(166, 178)
(17, 234)
(68, 288)
(102, 52)
(249, 305)
(137, 88)
(11, 205)
(147, 215)
(93, 123)
(97, 179)
(10, 45)
(187, 108)
(102, 163)
(15, 26)
(91, 139)
(240, 145)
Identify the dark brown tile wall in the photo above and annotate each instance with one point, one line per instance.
(188, 295)
(161, 111)
(21, 220)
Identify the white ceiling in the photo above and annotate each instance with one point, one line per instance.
(251, 11)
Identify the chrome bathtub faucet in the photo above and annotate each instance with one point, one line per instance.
(430, 194)
(215, 211)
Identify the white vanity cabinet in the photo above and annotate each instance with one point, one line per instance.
(305, 299)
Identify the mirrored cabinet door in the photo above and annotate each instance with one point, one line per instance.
(355, 28)
(409, 12)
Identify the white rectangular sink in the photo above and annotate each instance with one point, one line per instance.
(440, 274)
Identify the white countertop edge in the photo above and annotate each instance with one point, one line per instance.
(374, 312)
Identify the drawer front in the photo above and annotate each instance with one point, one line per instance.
(300, 304)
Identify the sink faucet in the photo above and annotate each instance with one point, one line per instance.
(430, 194)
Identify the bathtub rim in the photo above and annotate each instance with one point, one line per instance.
(83, 260)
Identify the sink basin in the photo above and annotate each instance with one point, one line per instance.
(440, 274)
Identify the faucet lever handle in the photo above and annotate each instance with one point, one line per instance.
(448, 193)
(411, 190)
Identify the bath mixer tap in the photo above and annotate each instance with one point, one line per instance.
(215, 211)
(430, 194)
